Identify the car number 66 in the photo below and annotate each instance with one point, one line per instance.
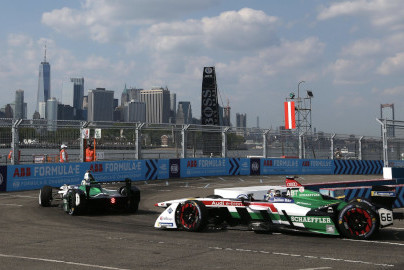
(386, 217)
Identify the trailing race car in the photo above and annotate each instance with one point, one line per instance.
(283, 207)
(91, 196)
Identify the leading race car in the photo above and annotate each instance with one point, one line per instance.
(91, 196)
(283, 207)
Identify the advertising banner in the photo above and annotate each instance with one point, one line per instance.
(34, 176)
(175, 168)
(194, 167)
(288, 166)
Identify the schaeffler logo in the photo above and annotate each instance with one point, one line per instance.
(1, 179)
(255, 166)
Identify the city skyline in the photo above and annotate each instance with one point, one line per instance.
(349, 53)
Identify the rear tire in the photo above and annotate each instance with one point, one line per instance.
(192, 216)
(45, 196)
(133, 198)
(358, 221)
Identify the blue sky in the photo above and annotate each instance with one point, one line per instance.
(349, 53)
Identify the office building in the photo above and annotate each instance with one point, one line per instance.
(67, 93)
(173, 108)
(78, 93)
(42, 110)
(44, 90)
(157, 102)
(52, 113)
(100, 105)
(19, 105)
(135, 111)
(241, 123)
(184, 113)
(130, 94)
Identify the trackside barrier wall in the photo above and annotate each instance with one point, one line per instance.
(34, 176)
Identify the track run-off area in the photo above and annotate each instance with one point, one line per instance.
(33, 237)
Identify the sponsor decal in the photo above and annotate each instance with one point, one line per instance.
(191, 164)
(1, 179)
(169, 210)
(383, 193)
(304, 219)
(291, 183)
(301, 189)
(224, 203)
(306, 163)
(280, 200)
(174, 168)
(166, 218)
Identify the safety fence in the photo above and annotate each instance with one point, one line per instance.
(38, 141)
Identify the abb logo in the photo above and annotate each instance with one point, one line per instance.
(96, 168)
(191, 163)
(306, 163)
(22, 172)
(267, 162)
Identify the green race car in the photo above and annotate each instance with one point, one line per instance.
(270, 208)
(92, 196)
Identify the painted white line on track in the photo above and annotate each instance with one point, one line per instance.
(376, 242)
(206, 186)
(317, 268)
(395, 228)
(309, 257)
(11, 204)
(19, 196)
(63, 262)
(242, 180)
(221, 178)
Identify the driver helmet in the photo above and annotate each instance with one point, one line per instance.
(270, 194)
(88, 179)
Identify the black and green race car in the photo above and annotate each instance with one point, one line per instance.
(91, 196)
(273, 208)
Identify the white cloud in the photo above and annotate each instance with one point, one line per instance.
(392, 65)
(104, 20)
(246, 29)
(382, 13)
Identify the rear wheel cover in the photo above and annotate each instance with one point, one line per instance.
(358, 221)
(192, 216)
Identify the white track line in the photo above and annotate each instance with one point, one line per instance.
(11, 204)
(302, 256)
(317, 268)
(63, 262)
(376, 242)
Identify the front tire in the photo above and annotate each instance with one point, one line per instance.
(45, 196)
(192, 216)
(358, 221)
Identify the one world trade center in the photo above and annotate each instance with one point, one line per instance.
(43, 84)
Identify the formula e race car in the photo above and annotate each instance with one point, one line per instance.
(281, 207)
(92, 196)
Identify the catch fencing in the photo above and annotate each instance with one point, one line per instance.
(38, 141)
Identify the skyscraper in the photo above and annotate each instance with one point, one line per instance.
(100, 105)
(157, 104)
(43, 82)
(19, 104)
(241, 123)
(184, 113)
(78, 92)
(52, 113)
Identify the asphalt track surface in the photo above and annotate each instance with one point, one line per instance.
(33, 237)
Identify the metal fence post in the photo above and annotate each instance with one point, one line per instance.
(184, 141)
(15, 147)
(264, 143)
(138, 142)
(224, 141)
(83, 126)
(360, 148)
(384, 138)
(301, 145)
(332, 145)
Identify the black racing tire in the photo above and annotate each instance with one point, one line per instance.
(45, 196)
(192, 216)
(75, 202)
(358, 220)
(133, 198)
